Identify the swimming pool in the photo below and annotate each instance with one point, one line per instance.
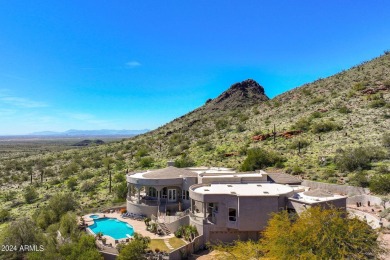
(94, 216)
(112, 227)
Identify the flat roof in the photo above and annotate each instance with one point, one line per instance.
(316, 197)
(166, 173)
(235, 174)
(250, 189)
(283, 178)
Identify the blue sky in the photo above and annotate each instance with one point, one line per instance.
(139, 64)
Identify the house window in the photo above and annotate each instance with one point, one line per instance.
(152, 192)
(185, 195)
(164, 193)
(232, 214)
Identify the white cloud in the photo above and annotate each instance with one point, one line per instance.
(7, 112)
(87, 119)
(133, 64)
(21, 102)
(80, 116)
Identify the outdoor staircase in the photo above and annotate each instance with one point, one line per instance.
(164, 228)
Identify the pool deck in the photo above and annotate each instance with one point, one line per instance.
(138, 226)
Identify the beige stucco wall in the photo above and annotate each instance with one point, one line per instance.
(300, 206)
(141, 209)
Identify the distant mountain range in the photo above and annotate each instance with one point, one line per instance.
(102, 132)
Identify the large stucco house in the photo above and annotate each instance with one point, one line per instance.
(223, 204)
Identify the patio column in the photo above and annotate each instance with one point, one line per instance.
(139, 195)
(204, 209)
(158, 194)
(129, 190)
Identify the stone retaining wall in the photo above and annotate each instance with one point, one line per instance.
(364, 199)
(336, 188)
(186, 250)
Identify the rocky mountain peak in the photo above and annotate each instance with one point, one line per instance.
(241, 94)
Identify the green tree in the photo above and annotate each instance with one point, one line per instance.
(316, 234)
(30, 194)
(380, 184)
(319, 234)
(358, 158)
(135, 249)
(61, 203)
(19, 233)
(259, 158)
(5, 215)
(184, 161)
(120, 190)
(84, 248)
(71, 183)
(68, 225)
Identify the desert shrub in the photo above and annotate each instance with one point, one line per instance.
(243, 117)
(71, 183)
(184, 161)
(176, 139)
(380, 184)
(86, 174)
(383, 169)
(259, 158)
(119, 177)
(146, 162)
(302, 124)
(5, 215)
(221, 124)
(359, 86)
(70, 169)
(68, 224)
(87, 186)
(358, 158)
(142, 151)
(208, 147)
(386, 140)
(344, 110)
(315, 114)
(295, 170)
(325, 126)
(9, 195)
(316, 100)
(377, 103)
(387, 83)
(44, 217)
(359, 179)
(301, 142)
(120, 190)
(240, 128)
(30, 194)
(62, 202)
(55, 181)
(49, 172)
(207, 132)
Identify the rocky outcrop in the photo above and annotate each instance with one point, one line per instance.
(242, 94)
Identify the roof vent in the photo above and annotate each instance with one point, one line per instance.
(233, 192)
(259, 185)
(230, 185)
(265, 192)
(206, 190)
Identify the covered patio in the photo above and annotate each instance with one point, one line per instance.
(159, 192)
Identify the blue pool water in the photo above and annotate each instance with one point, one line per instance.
(94, 216)
(112, 227)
